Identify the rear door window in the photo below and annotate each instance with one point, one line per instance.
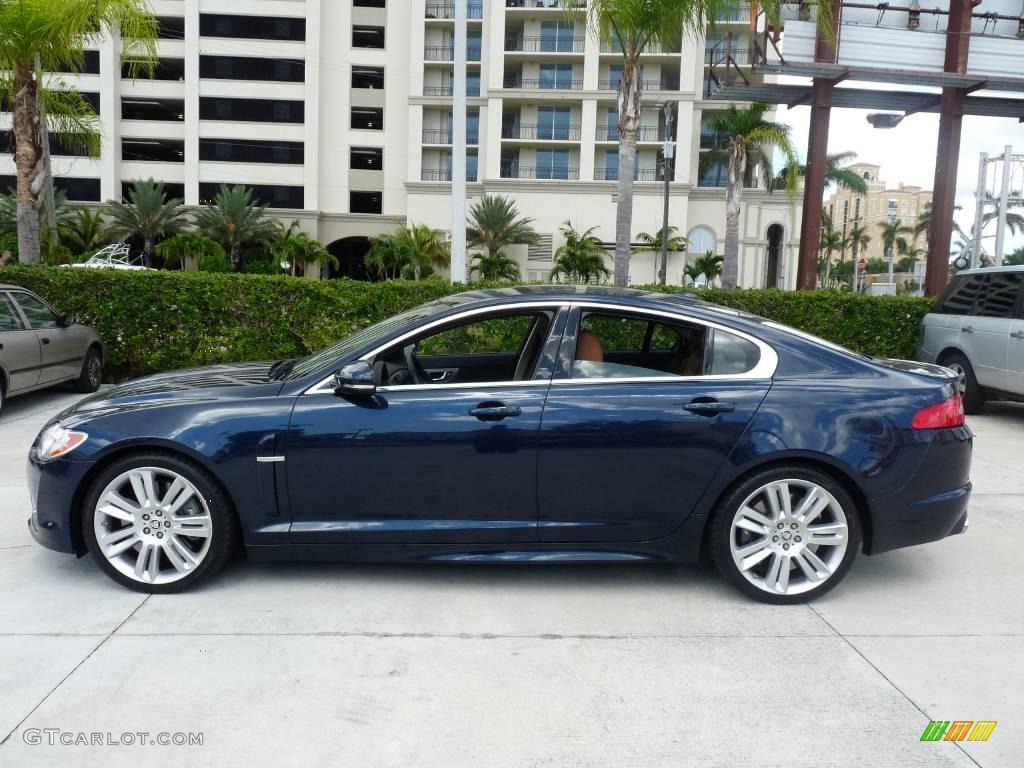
(999, 298)
(961, 294)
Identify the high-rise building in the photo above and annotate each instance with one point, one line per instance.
(338, 113)
(881, 204)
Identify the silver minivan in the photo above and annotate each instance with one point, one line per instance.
(976, 328)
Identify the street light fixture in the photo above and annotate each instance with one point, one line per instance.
(667, 152)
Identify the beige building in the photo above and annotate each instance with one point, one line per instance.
(880, 204)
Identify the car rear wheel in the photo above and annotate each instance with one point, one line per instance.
(158, 523)
(785, 535)
(971, 392)
(92, 372)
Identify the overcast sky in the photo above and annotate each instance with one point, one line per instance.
(907, 152)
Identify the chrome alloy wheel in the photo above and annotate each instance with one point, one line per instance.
(788, 537)
(94, 371)
(152, 525)
(961, 376)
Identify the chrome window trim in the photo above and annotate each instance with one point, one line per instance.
(764, 369)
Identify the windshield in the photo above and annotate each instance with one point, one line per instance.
(366, 337)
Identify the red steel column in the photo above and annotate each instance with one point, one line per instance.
(814, 185)
(948, 150)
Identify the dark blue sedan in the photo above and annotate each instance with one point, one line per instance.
(524, 425)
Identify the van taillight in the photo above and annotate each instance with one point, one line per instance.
(949, 413)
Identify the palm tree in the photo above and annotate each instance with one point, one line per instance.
(893, 237)
(580, 258)
(84, 232)
(496, 267)
(413, 247)
(494, 223)
(652, 244)
(708, 266)
(924, 220)
(857, 238)
(236, 222)
(387, 256)
(428, 248)
(693, 271)
(630, 26)
(829, 242)
(203, 251)
(147, 214)
(38, 36)
(294, 247)
(836, 174)
(744, 136)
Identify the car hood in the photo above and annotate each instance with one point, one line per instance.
(210, 382)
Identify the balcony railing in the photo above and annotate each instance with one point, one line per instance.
(516, 171)
(544, 44)
(742, 13)
(472, 89)
(447, 53)
(443, 174)
(717, 55)
(444, 136)
(543, 85)
(643, 133)
(612, 84)
(553, 5)
(447, 11)
(642, 174)
(542, 132)
(613, 46)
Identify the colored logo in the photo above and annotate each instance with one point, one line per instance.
(958, 730)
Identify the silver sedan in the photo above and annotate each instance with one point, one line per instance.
(41, 348)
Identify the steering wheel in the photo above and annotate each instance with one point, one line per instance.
(416, 370)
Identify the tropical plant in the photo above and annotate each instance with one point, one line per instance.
(1016, 258)
(893, 237)
(857, 238)
(45, 36)
(206, 254)
(8, 213)
(235, 221)
(148, 214)
(836, 174)
(708, 266)
(294, 247)
(581, 257)
(652, 244)
(494, 223)
(496, 267)
(745, 137)
(829, 242)
(924, 220)
(693, 271)
(84, 232)
(388, 255)
(412, 248)
(428, 248)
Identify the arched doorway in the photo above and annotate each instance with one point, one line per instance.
(774, 261)
(351, 255)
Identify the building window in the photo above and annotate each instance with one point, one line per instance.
(368, 77)
(61, 146)
(701, 240)
(84, 190)
(369, 3)
(611, 165)
(553, 123)
(153, 150)
(367, 37)
(252, 27)
(368, 118)
(557, 36)
(365, 202)
(251, 110)
(165, 110)
(366, 158)
(172, 191)
(555, 76)
(472, 166)
(251, 151)
(472, 83)
(90, 64)
(552, 163)
(170, 27)
(250, 68)
(271, 195)
(166, 69)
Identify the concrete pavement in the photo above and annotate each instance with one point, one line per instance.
(324, 664)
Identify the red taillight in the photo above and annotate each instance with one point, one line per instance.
(944, 415)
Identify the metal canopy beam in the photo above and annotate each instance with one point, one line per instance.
(899, 76)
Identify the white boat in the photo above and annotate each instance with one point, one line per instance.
(114, 256)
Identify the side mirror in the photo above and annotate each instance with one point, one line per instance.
(66, 321)
(355, 379)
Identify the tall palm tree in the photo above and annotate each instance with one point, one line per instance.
(38, 36)
(294, 247)
(829, 242)
(745, 137)
(893, 237)
(924, 220)
(413, 247)
(836, 174)
(496, 267)
(147, 214)
(494, 222)
(84, 232)
(428, 248)
(235, 221)
(652, 244)
(580, 258)
(630, 25)
(857, 238)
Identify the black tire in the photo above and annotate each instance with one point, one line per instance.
(972, 393)
(91, 377)
(721, 531)
(223, 522)
(3, 395)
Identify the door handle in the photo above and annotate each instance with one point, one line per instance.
(45, 340)
(1014, 335)
(967, 329)
(709, 407)
(494, 411)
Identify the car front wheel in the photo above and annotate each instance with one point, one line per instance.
(158, 523)
(785, 535)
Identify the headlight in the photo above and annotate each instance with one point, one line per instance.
(56, 441)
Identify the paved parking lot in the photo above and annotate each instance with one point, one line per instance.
(344, 665)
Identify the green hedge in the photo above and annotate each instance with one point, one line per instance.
(156, 321)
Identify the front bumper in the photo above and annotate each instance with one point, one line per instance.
(52, 488)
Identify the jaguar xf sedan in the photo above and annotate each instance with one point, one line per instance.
(524, 425)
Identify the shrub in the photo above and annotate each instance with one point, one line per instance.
(157, 321)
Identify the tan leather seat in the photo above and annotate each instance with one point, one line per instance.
(588, 347)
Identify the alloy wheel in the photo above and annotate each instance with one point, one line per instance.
(789, 536)
(961, 376)
(95, 371)
(152, 525)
